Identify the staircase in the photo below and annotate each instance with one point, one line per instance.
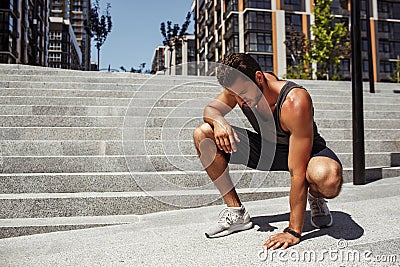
(88, 149)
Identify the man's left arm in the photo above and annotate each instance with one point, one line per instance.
(297, 116)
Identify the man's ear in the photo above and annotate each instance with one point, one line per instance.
(259, 77)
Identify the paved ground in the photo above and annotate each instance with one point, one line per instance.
(366, 233)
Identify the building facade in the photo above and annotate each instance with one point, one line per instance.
(260, 28)
(181, 59)
(24, 26)
(76, 11)
(158, 62)
(64, 50)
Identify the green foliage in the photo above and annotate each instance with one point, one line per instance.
(331, 41)
(298, 45)
(98, 27)
(172, 35)
(395, 77)
(298, 71)
(141, 69)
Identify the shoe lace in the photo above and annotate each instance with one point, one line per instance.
(227, 216)
(319, 207)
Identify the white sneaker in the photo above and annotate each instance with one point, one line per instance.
(230, 220)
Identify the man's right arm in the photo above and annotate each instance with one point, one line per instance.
(225, 136)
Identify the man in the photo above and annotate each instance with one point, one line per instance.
(315, 170)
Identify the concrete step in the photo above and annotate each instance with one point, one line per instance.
(44, 205)
(155, 133)
(155, 147)
(187, 122)
(198, 112)
(30, 226)
(55, 110)
(61, 133)
(124, 100)
(370, 134)
(145, 163)
(61, 121)
(63, 101)
(157, 113)
(192, 93)
(17, 183)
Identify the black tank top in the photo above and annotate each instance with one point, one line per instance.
(282, 136)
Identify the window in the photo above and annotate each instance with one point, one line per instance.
(363, 25)
(55, 36)
(231, 5)
(384, 46)
(383, 26)
(365, 65)
(258, 42)
(265, 62)
(262, 4)
(345, 65)
(233, 24)
(385, 67)
(396, 48)
(364, 45)
(295, 20)
(232, 45)
(383, 7)
(258, 21)
(54, 56)
(293, 5)
(55, 46)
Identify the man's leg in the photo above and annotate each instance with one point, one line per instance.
(235, 217)
(324, 175)
(215, 164)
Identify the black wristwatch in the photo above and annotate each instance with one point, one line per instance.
(292, 232)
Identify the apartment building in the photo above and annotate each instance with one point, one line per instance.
(76, 11)
(181, 59)
(23, 31)
(260, 27)
(64, 50)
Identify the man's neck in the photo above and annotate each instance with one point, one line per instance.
(271, 89)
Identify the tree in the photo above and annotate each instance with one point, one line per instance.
(174, 35)
(331, 41)
(395, 77)
(98, 27)
(141, 69)
(298, 46)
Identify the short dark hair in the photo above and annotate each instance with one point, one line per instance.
(237, 61)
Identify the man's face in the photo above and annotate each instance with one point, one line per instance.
(246, 92)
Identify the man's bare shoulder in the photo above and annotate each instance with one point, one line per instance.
(296, 109)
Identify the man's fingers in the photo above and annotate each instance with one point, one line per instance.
(285, 246)
(227, 144)
(232, 141)
(277, 245)
(218, 143)
(235, 135)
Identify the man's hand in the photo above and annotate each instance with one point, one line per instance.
(225, 136)
(281, 240)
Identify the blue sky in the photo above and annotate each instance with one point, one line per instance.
(136, 30)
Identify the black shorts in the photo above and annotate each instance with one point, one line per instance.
(257, 153)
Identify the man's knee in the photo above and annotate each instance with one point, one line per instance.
(327, 175)
(202, 132)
